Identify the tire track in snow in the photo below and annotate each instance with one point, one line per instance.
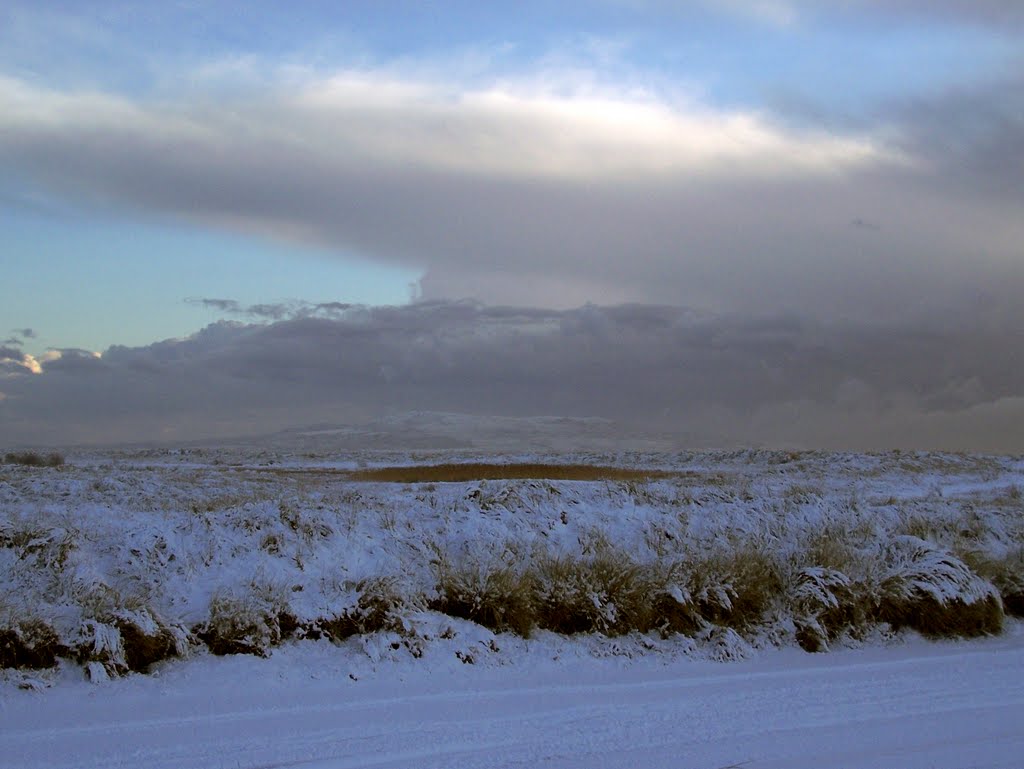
(959, 709)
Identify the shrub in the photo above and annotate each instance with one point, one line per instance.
(674, 611)
(30, 644)
(1006, 573)
(33, 459)
(826, 602)
(736, 588)
(127, 640)
(241, 626)
(146, 640)
(500, 597)
(377, 608)
(935, 593)
(606, 593)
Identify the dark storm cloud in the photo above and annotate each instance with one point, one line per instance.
(782, 379)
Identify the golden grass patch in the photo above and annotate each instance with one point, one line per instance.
(480, 471)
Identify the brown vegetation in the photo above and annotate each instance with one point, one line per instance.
(29, 644)
(33, 459)
(478, 471)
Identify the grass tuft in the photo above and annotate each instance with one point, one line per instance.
(605, 593)
(935, 593)
(30, 644)
(240, 626)
(377, 609)
(501, 597)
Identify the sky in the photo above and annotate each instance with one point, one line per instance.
(776, 222)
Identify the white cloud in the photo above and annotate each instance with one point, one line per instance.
(362, 118)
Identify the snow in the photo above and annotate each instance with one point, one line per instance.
(916, 705)
(156, 541)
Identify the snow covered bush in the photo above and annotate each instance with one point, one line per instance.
(379, 604)
(935, 593)
(251, 622)
(500, 596)
(29, 643)
(1006, 573)
(606, 592)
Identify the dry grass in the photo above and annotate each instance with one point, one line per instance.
(33, 459)
(378, 608)
(30, 643)
(1006, 573)
(244, 625)
(479, 471)
(607, 593)
(500, 597)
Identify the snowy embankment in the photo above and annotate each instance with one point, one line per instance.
(118, 563)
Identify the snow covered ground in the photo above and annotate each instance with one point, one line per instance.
(414, 624)
(918, 705)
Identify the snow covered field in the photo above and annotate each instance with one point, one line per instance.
(614, 621)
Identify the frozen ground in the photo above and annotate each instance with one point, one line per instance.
(378, 611)
(919, 705)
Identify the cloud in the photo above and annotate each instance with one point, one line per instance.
(541, 193)
(994, 13)
(557, 191)
(25, 333)
(972, 135)
(14, 362)
(273, 311)
(511, 193)
(777, 13)
(790, 13)
(785, 13)
(743, 379)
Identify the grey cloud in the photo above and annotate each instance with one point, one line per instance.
(973, 135)
(26, 333)
(13, 362)
(990, 13)
(273, 311)
(749, 380)
(766, 232)
(73, 360)
(864, 224)
(995, 13)
(221, 305)
(13, 340)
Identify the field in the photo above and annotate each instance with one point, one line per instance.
(145, 565)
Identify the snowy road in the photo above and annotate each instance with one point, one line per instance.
(922, 706)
